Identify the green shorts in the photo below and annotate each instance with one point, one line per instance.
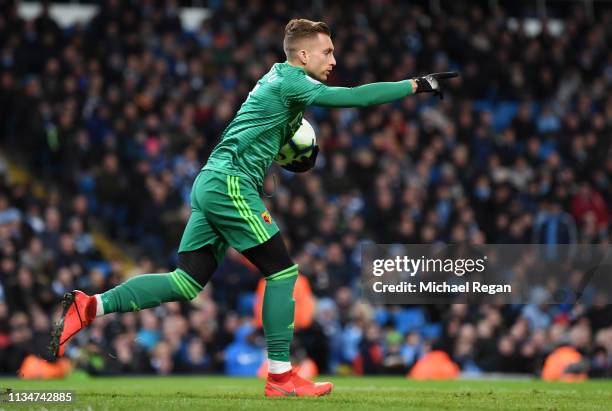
(226, 211)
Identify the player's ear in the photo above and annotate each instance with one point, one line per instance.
(303, 56)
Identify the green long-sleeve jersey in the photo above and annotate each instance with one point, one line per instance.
(273, 112)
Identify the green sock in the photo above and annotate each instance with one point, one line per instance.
(278, 312)
(150, 290)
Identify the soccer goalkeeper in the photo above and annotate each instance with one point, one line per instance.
(227, 209)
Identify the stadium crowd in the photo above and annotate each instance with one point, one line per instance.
(117, 117)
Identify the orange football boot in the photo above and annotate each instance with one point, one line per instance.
(296, 386)
(78, 311)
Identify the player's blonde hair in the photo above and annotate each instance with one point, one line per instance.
(299, 29)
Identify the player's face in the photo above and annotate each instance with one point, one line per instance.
(320, 59)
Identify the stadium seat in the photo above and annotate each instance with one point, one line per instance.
(409, 319)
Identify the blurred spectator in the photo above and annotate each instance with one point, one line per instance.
(244, 356)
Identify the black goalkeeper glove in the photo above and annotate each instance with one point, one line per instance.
(431, 84)
(304, 164)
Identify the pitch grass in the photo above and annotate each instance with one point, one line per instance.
(350, 393)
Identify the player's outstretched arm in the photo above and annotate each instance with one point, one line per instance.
(363, 96)
(380, 93)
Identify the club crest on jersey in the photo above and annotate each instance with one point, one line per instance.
(266, 217)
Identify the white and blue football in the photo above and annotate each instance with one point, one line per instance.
(299, 146)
